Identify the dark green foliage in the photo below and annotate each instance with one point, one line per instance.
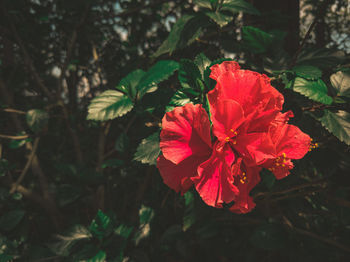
(90, 81)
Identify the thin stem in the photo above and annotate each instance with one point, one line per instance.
(14, 137)
(26, 167)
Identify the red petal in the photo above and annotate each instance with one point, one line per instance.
(259, 100)
(255, 148)
(244, 202)
(215, 181)
(226, 66)
(185, 132)
(226, 115)
(290, 140)
(178, 177)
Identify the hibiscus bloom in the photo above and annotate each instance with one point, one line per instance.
(288, 142)
(249, 133)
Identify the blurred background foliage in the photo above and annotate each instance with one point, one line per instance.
(83, 87)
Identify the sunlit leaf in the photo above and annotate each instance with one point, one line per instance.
(315, 90)
(37, 119)
(338, 124)
(341, 83)
(66, 242)
(202, 63)
(109, 105)
(101, 225)
(146, 215)
(218, 17)
(148, 150)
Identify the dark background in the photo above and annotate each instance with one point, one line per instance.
(58, 169)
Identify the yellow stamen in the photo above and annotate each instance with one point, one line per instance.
(284, 155)
(227, 139)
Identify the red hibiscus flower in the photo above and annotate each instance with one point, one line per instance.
(185, 143)
(249, 133)
(289, 142)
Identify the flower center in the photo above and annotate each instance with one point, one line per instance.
(279, 161)
(313, 145)
(231, 137)
(243, 178)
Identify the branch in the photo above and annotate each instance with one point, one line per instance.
(10, 110)
(70, 48)
(321, 8)
(315, 236)
(49, 201)
(14, 137)
(26, 167)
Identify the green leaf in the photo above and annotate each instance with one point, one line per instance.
(235, 6)
(338, 124)
(101, 225)
(203, 3)
(148, 150)
(341, 83)
(219, 18)
(179, 99)
(307, 72)
(99, 257)
(19, 143)
(268, 237)
(161, 71)
(256, 40)
(109, 105)
(188, 74)
(5, 258)
(146, 215)
(11, 219)
(184, 32)
(202, 63)
(321, 58)
(190, 215)
(315, 90)
(37, 119)
(207, 71)
(65, 242)
(123, 231)
(122, 143)
(129, 83)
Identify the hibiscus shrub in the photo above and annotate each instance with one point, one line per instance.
(214, 141)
